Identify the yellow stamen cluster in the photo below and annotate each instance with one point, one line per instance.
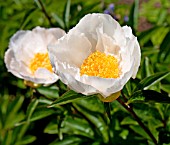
(101, 65)
(40, 60)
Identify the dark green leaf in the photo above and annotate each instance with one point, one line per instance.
(164, 48)
(134, 13)
(26, 140)
(38, 114)
(151, 80)
(144, 96)
(41, 113)
(165, 87)
(163, 66)
(27, 17)
(8, 138)
(70, 140)
(127, 90)
(148, 51)
(93, 103)
(31, 108)
(157, 38)
(51, 92)
(13, 116)
(146, 35)
(107, 107)
(97, 120)
(146, 69)
(86, 9)
(128, 121)
(51, 128)
(68, 97)
(79, 126)
(139, 131)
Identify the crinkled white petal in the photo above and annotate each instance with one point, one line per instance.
(107, 45)
(134, 51)
(105, 35)
(72, 48)
(89, 84)
(11, 63)
(107, 25)
(22, 48)
(75, 85)
(42, 76)
(27, 43)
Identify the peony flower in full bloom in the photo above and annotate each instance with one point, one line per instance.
(96, 56)
(27, 57)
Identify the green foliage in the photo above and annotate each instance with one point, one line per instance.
(55, 115)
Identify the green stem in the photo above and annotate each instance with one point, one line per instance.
(45, 12)
(130, 110)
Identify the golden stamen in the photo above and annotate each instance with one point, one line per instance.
(101, 65)
(40, 60)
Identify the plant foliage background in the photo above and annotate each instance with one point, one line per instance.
(55, 115)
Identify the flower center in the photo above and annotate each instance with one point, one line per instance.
(101, 65)
(40, 60)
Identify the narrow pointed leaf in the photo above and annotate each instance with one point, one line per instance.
(58, 20)
(13, 115)
(146, 69)
(95, 119)
(139, 131)
(144, 96)
(68, 97)
(164, 48)
(108, 110)
(26, 140)
(31, 108)
(68, 140)
(127, 90)
(42, 113)
(151, 80)
(51, 92)
(67, 13)
(27, 17)
(146, 35)
(38, 114)
(79, 126)
(133, 18)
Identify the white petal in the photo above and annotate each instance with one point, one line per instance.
(76, 85)
(49, 36)
(109, 26)
(70, 76)
(135, 53)
(107, 45)
(71, 49)
(127, 31)
(10, 62)
(86, 84)
(127, 56)
(42, 76)
(27, 43)
(137, 60)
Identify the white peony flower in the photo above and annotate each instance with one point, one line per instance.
(27, 56)
(96, 56)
